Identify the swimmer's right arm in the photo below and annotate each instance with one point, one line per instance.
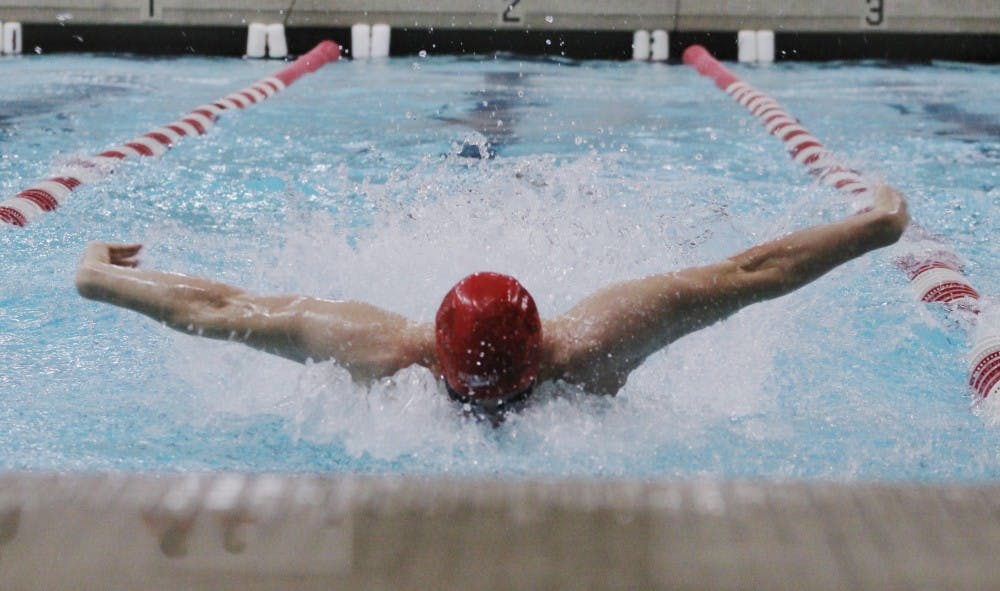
(368, 341)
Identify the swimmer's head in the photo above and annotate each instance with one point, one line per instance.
(489, 338)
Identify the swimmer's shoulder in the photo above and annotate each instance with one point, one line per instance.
(566, 358)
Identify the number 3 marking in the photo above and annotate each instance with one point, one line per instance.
(876, 12)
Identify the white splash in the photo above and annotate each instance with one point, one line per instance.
(563, 230)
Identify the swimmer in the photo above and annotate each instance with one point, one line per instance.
(488, 344)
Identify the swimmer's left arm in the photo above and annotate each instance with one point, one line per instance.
(368, 341)
(615, 329)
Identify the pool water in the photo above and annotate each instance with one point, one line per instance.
(389, 181)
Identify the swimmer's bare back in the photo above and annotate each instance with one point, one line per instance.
(595, 345)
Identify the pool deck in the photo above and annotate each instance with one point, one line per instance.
(231, 531)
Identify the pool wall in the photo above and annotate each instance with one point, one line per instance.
(959, 16)
(827, 29)
(227, 531)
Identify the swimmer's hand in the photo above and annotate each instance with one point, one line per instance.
(889, 200)
(891, 204)
(102, 267)
(119, 255)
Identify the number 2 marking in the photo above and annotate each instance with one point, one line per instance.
(507, 18)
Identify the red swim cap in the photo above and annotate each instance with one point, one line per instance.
(489, 337)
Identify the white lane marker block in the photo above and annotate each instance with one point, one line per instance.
(765, 46)
(361, 41)
(381, 35)
(277, 44)
(12, 42)
(746, 45)
(660, 46)
(641, 45)
(257, 40)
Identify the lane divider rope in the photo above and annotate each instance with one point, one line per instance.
(933, 268)
(49, 194)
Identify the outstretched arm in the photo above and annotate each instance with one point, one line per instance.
(614, 330)
(368, 341)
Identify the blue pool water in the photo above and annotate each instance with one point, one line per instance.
(362, 181)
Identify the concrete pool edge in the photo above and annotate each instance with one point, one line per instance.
(963, 30)
(229, 530)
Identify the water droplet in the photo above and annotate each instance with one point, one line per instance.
(423, 53)
(549, 18)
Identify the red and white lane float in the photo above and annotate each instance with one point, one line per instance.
(934, 270)
(47, 195)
